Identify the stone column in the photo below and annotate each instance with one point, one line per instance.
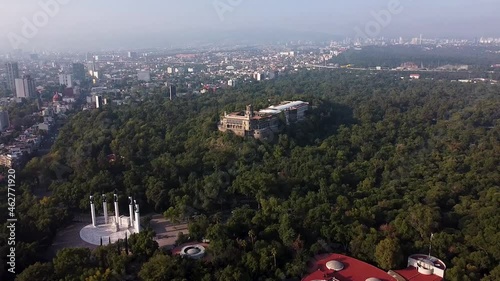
(92, 210)
(117, 211)
(105, 208)
(131, 212)
(137, 219)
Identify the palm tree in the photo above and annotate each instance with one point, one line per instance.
(242, 243)
(252, 236)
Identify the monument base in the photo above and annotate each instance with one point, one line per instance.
(93, 235)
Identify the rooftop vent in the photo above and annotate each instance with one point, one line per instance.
(335, 265)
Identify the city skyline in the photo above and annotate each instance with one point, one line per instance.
(75, 25)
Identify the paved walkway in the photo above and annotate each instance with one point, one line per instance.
(167, 232)
(68, 237)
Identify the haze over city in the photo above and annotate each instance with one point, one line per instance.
(92, 24)
(249, 140)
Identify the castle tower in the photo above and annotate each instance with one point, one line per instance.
(249, 111)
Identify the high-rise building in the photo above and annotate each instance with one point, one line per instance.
(12, 74)
(132, 55)
(65, 79)
(79, 71)
(4, 120)
(92, 68)
(98, 101)
(173, 92)
(25, 87)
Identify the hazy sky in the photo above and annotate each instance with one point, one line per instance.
(81, 24)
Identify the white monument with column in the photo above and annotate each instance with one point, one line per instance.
(92, 211)
(137, 221)
(105, 208)
(108, 230)
(131, 212)
(117, 211)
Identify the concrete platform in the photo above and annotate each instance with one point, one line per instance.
(93, 235)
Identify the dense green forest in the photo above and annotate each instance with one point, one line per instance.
(480, 58)
(378, 165)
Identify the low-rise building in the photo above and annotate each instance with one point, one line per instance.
(294, 110)
(343, 268)
(8, 160)
(44, 127)
(421, 268)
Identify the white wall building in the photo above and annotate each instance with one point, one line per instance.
(65, 79)
(294, 110)
(258, 76)
(98, 101)
(25, 87)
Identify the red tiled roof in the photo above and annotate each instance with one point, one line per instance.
(56, 97)
(354, 270)
(411, 274)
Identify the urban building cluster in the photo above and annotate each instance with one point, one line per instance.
(421, 40)
(195, 71)
(17, 153)
(57, 81)
(19, 144)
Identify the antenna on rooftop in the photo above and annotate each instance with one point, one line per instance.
(430, 245)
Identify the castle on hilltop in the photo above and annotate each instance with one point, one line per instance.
(263, 124)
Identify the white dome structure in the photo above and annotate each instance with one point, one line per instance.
(334, 265)
(372, 279)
